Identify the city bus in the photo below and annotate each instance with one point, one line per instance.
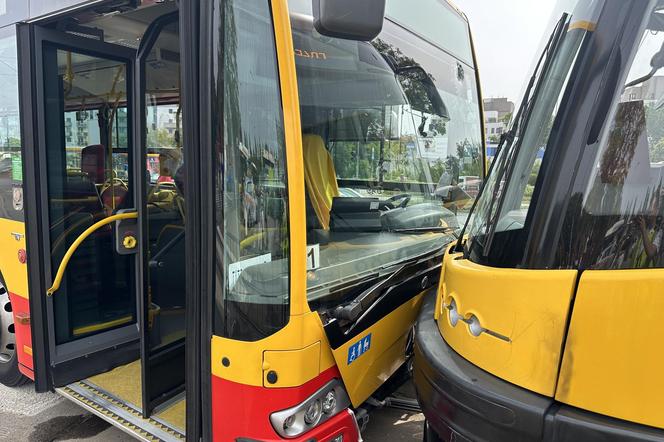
(219, 218)
(546, 325)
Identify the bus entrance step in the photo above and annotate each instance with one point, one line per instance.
(119, 414)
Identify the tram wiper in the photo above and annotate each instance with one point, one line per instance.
(433, 229)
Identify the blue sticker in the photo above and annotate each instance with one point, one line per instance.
(359, 348)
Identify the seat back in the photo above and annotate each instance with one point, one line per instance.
(319, 177)
(93, 162)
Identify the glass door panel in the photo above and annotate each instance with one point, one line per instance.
(88, 178)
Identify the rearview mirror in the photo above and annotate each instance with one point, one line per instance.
(350, 19)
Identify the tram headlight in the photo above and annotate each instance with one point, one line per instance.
(316, 409)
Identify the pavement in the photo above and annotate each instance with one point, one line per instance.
(46, 417)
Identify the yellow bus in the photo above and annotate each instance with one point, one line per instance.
(546, 325)
(219, 218)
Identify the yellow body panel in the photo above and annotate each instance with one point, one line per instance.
(12, 239)
(289, 365)
(613, 361)
(386, 354)
(294, 160)
(527, 308)
(247, 358)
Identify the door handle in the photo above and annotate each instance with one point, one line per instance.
(70, 251)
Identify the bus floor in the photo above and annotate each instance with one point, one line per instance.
(123, 384)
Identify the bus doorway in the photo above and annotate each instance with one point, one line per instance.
(108, 154)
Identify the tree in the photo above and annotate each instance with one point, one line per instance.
(160, 138)
(507, 119)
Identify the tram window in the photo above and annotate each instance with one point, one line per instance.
(622, 210)
(507, 198)
(252, 245)
(391, 143)
(11, 168)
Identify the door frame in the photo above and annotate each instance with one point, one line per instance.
(57, 365)
(174, 354)
(196, 51)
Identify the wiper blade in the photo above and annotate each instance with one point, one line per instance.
(433, 229)
(357, 306)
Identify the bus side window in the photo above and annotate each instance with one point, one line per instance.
(11, 167)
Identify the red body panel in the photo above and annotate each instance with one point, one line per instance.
(21, 310)
(244, 411)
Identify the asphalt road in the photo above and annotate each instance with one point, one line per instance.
(46, 417)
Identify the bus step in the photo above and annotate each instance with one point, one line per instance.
(119, 414)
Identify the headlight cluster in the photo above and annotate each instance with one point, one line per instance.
(316, 409)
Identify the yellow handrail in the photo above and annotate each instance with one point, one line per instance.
(72, 248)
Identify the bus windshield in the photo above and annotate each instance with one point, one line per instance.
(392, 143)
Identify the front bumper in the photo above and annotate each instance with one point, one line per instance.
(465, 403)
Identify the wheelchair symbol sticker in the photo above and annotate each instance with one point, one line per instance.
(359, 348)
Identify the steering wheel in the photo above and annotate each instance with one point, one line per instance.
(402, 196)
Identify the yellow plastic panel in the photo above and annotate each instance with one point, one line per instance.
(526, 310)
(291, 372)
(613, 361)
(386, 354)
(12, 239)
(246, 358)
(293, 134)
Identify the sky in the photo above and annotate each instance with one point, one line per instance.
(507, 35)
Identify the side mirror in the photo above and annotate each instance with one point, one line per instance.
(350, 19)
(421, 91)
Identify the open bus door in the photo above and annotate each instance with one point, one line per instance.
(108, 289)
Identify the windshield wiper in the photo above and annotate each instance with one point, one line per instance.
(434, 229)
(352, 310)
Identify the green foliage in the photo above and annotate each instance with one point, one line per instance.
(159, 138)
(657, 151)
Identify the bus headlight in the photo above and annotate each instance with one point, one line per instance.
(316, 409)
(313, 412)
(329, 402)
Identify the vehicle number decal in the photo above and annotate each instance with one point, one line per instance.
(313, 256)
(359, 348)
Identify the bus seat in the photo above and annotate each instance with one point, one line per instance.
(93, 162)
(319, 177)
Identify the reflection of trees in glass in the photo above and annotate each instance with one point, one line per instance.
(623, 139)
(411, 81)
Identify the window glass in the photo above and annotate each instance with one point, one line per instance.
(622, 210)
(436, 21)
(86, 147)
(252, 248)
(392, 152)
(500, 215)
(11, 167)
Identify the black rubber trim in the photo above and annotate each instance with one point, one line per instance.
(98, 362)
(463, 402)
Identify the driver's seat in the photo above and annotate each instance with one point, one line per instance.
(320, 177)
